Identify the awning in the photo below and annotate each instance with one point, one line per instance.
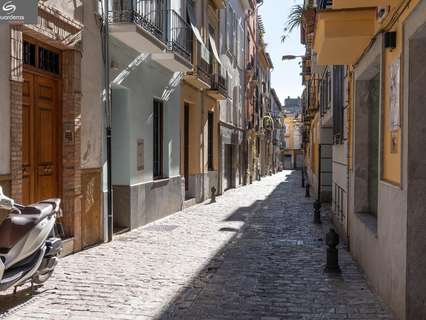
(214, 49)
(205, 54)
(194, 28)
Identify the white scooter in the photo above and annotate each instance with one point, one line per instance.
(29, 248)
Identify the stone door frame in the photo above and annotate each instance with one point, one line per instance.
(71, 111)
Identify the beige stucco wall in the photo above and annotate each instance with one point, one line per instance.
(92, 111)
(211, 105)
(377, 243)
(192, 96)
(91, 73)
(5, 98)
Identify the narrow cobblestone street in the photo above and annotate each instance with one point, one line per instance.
(254, 254)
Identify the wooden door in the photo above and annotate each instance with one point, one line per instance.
(228, 166)
(186, 146)
(40, 138)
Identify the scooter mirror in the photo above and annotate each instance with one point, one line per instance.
(5, 202)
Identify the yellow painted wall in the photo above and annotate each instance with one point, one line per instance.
(391, 163)
(289, 123)
(193, 97)
(198, 130)
(211, 105)
(314, 152)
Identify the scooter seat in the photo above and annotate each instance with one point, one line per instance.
(16, 226)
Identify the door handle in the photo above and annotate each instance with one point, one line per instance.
(45, 170)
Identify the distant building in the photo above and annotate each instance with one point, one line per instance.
(293, 105)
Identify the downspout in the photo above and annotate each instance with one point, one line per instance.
(108, 115)
(203, 146)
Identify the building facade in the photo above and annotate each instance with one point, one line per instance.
(202, 89)
(232, 120)
(363, 102)
(51, 141)
(192, 109)
(149, 58)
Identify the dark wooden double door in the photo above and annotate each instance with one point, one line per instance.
(40, 138)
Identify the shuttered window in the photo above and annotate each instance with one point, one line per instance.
(158, 139)
(338, 104)
(210, 140)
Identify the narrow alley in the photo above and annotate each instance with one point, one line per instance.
(255, 254)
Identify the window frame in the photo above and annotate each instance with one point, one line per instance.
(158, 139)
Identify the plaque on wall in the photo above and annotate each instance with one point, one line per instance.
(68, 133)
(140, 155)
(394, 116)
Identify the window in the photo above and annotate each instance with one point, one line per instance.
(240, 47)
(48, 60)
(231, 36)
(338, 104)
(29, 54)
(158, 139)
(41, 58)
(210, 140)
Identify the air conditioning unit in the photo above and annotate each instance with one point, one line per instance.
(382, 12)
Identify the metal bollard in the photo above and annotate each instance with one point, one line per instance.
(307, 193)
(213, 195)
(317, 212)
(332, 241)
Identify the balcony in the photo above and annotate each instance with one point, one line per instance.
(343, 35)
(220, 4)
(356, 4)
(148, 27)
(325, 4)
(200, 77)
(219, 87)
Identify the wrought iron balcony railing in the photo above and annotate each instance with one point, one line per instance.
(180, 39)
(203, 67)
(324, 4)
(219, 84)
(148, 14)
(164, 24)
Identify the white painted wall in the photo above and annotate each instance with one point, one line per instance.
(5, 99)
(231, 110)
(145, 81)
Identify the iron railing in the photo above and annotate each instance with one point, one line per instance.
(203, 67)
(219, 84)
(324, 4)
(148, 14)
(180, 38)
(164, 24)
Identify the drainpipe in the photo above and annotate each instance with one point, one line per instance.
(108, 116)
(203, 191)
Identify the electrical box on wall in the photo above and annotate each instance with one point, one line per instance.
(390, 40)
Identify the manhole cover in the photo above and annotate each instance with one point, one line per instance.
(161, 228)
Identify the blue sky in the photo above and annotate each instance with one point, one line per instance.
(285, 76)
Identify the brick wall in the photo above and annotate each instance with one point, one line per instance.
(16, 83)
(71, 117)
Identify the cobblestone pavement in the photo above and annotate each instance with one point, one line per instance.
(255, 254)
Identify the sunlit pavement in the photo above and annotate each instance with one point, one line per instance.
(254, 254)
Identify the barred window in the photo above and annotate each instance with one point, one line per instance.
(338, 104)
(158, 139)
(210, 140)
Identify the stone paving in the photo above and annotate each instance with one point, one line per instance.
(254, 254)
